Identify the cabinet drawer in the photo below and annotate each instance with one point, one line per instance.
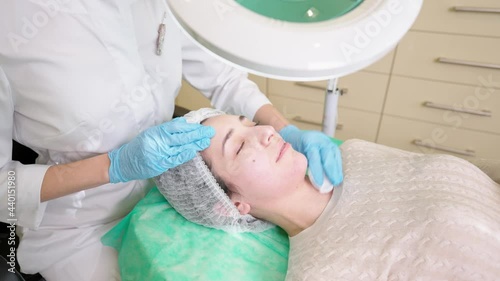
(402, 133)
(309, 115)
(442, 16)
(418, 53)
(476, 108)
(365, 90)
(306, 91)
(355, 124)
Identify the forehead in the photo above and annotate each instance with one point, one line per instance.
(223, 123)
(220, 121)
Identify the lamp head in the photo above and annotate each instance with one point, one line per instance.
(299, 40)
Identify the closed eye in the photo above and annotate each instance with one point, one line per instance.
(241, 147)
(243, 143)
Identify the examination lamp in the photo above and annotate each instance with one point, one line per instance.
(298, 40)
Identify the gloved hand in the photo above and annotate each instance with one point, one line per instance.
(323, 156)
(158, 149)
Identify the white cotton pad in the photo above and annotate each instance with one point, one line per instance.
(326, 187)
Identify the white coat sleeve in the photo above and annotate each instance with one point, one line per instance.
(227, 88)
(19, 184)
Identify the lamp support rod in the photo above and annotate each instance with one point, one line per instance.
(331, 107)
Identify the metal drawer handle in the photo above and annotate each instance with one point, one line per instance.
(466, 152)
(303, 84)
(476, 9)
(343, 91)
(468, 63)
(300, 120)
(485, 113)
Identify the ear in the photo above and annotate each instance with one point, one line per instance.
(243, 207)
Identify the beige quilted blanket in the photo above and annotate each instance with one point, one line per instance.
(403, 216)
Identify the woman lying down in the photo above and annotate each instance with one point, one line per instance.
(397, 216)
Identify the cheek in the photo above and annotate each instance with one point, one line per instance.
(260, 178)
(300, 161)
(254, 172)
(296, 167)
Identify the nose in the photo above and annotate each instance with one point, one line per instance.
(266, 135)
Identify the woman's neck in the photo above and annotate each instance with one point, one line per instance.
(299, 210)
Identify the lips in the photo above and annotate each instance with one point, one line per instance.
(282, 151)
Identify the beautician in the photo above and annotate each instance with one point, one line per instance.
(90, 86)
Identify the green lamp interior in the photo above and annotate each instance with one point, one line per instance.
(301, 10)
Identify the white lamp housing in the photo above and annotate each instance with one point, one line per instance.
(296, 51)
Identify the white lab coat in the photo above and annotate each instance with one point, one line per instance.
(78, 79)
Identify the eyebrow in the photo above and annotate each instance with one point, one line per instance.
(229, 134)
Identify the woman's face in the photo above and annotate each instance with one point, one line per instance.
(254, 161)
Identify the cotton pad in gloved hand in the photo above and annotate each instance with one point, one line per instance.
(326, 187)
(323, 156)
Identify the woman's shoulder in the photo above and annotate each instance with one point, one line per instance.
(359, 148)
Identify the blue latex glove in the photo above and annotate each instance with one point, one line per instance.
(158, 149)
(323, 156)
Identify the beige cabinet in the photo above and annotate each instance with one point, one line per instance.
(438, 92)
(452, 105)
(360, 106)
(450, 58)
(460, 17)
(444, 90)
(424, 137)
